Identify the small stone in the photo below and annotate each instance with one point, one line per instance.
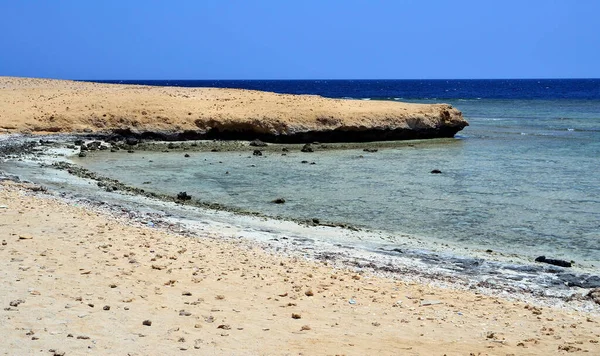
(258, 143)
(307, 148)
(147, 323)
(425, 303)
(278, 201)
(186, 155)
(106, 307)
(184, 313)
(183, 196)
(309, 293)
(83, 337)
(112, 285)
(304, 328)
(197, 343)
(187, 294)
(15, 303)
(436, 171)
(25, 237)
(296, 316)
(224, 327)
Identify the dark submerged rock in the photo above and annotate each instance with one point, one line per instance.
(370, 150)
(594, 295)
(278, 201)
(555, 262)
(307, 148)
(436, 171)
(257, 153)
(584, 280)
(258, 143)
(183, 196)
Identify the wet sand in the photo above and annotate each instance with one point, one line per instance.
(77, 280)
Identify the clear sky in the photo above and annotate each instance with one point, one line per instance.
(300, 39)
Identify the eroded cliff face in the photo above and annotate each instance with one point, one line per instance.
(41, 106)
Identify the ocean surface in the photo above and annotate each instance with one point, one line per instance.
(523, 178)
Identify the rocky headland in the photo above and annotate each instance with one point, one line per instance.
(30, 105)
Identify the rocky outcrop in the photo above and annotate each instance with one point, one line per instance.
(171, 113)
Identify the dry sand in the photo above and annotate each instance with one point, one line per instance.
(41, 106)
(78, 282)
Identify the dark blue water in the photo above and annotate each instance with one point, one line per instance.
(525, 89)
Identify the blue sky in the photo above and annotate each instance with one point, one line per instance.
(285, 39)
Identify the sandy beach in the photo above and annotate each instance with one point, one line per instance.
(76, 280)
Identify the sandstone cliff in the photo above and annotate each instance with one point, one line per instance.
(42, 106)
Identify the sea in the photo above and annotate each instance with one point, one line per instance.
(522, 178)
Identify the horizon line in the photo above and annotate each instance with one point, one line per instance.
(330, 79)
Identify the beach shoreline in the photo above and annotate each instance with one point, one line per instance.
(59, 250)
(351, 246)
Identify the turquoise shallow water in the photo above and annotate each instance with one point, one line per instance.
(523, 178)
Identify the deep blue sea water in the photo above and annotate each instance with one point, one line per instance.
(522, 89)
(523, 178)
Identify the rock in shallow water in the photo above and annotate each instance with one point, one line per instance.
(307, 148)
(183, 196)
(258, 143)
(561, 263)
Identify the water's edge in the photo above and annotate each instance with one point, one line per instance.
(494, 273)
